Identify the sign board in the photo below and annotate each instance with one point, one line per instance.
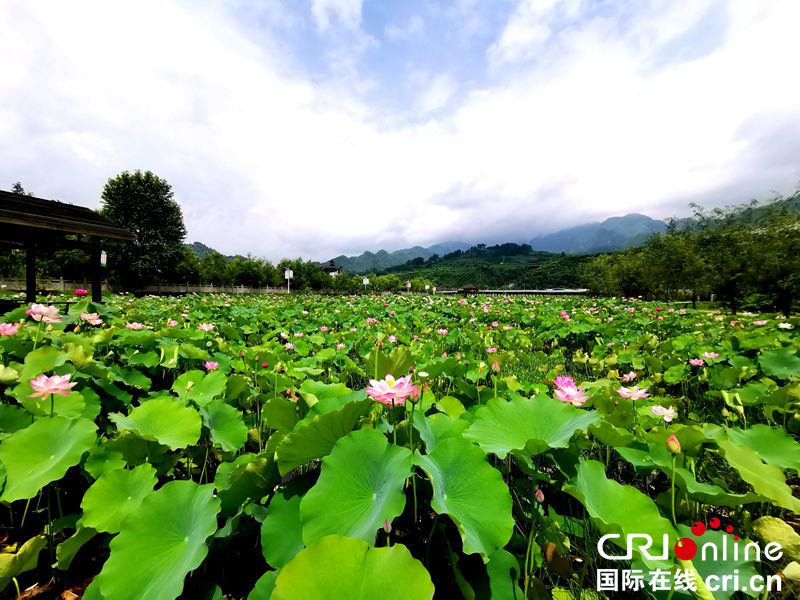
(365, 281)
(103, 258)
(408, 285)
(427, 287)
(288, 274)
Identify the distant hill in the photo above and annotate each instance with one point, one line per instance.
(199, 249)
(616, 233)
(374, 262)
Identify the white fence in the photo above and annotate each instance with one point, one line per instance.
(62, 285)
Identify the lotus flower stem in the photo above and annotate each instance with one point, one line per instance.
(672, 492)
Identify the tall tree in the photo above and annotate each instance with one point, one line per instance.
(18, 189)
(144, 203)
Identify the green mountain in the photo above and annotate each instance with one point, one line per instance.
(616, 233)
(504, 266)
(199, 249)
(370, 262)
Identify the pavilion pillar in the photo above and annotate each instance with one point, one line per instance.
(96, 270)
(30, 271)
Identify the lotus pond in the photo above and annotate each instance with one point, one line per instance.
(397, 447)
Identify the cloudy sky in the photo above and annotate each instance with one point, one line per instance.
(318, 127)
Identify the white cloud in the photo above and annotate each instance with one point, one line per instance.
(414, 27)
(346, 13)
(265, 159)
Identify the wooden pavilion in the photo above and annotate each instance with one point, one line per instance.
(37, 224)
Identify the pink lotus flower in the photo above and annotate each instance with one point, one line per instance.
(43, 385)
(760, 322)
(172, 323)
(673, 444)
(571, 395)
(710, 355)
(323, 328)
(633, 393)
(491, 350)
(81, 292)
(289, 346)
(8, 329)
(91, 318)
(205, 327)
(697, 362)
(391, 391)
(668, 413)
(392, 339)
(134, 326)
(44, 314)
(496, 366)
(564, 381)
(441, 331)
(211, 365)
(340, 346)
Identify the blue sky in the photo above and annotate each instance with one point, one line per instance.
(319, 127)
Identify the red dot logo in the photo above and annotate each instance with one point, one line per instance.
(729, 528)
(698, 528)
(685, 549)
(714, 522)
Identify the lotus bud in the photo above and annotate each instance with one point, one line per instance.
(740, 410)
(387, 526)
(725, 412)
(539, 495)
(673, 444)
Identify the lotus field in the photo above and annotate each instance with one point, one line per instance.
(409, 447)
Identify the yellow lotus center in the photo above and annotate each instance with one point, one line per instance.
(390, 381)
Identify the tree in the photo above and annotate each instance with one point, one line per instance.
(18, 189)
(144, 203)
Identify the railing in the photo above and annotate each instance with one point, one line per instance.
(49, 285)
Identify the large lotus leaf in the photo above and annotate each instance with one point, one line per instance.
(40, 361)
(42, 453)
(503, 569)
(341, 567)
(438, 427)
(67, 549)
(783, 363)
(13, 418)
(767, 480)
(316, 439)
(164, 420)
(315, 391)
(774, 446)
(361, 487)
(656, 456)
(281, 530)
(160, 543)
(226, 425)
(115, 495)
(264, 586)
(8, 375)
(280, 413)
(773, 529)
(209, 387)
(535, 424)
(466, 487)
(22, 560)
(620, 509)
(249, 477)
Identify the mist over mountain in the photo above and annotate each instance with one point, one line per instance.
(615, 233)
(374, 262)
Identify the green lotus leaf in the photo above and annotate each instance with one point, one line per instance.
(209, 387)
(341, 567)
(620, 509)
(160, 543)
(24, 559)
(71, 406)
(164, 420)
(264, 586)
(13, 418)
(280, 413)
(281, 530)
(8, 375)
(438, 427)
(773, 529)
(504, 571)
(783, 363)
(67, 549)
(42, 453)
(115, 495)
(40, 361)
(316, 439)
(248, 477)
(767, 480)
(774, 446)
(466, 487)
(535, 425)
(676, 374)
(226, 425)
(360, 487)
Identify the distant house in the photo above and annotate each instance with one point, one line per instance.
(331, 269)
(470, 289)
